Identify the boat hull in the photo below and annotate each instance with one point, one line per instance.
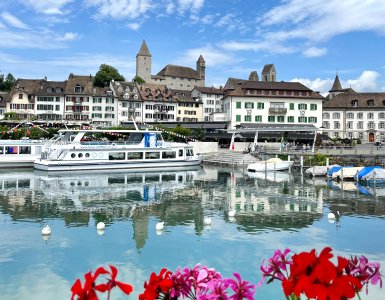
(263, 166)
(49, 165)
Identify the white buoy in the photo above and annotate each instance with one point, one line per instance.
(100, 226)
(207, 221)
(231, 213)
(332, 216)
(46, 230)
(159, 226)
(100, 231)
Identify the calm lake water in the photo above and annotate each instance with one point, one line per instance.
(272, 211)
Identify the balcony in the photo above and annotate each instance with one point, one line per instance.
(277, 110)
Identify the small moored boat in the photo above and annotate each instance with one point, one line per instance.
(272, 164)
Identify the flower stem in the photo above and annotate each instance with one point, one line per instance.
(358, 295)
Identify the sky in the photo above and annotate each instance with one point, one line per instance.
(309, 41)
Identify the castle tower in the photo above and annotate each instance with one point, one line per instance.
(254, 76)
(143, 63)
(268, 73)
(201, 68)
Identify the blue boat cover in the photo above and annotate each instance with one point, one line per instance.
(365, 171)
(363, 189)
(334, 169)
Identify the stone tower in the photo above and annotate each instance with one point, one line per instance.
(143, 63)
(201, 68)
(268, 73)
(253, 76)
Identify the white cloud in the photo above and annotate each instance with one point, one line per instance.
(211, 55)
(133, 26)
(68, 36)
(49, 7)
(315, 52)
(189, 5)
(268, 46)
(319, 20)
(366, 82)
(13, 21)
(119, 9)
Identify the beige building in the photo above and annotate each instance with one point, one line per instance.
(173, 76)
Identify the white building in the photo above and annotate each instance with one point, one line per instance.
(211, 99)
(272, 103)
(348, 114)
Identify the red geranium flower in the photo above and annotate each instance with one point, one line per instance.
(156, 285)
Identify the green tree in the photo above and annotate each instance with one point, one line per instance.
(105, 74)
(7, 83)
(10, 116)
(139, 80)
(182, 130)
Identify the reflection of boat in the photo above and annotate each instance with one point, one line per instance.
(272, 164)
(317, 182)
(113, 149)
(146, 184)
(19, 153)
(271, 176)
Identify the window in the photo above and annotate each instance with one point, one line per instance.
(350, 115)
(336, 115)
(336, 125)
(260, 105)
(360, 125)
(381, 125)
(258, 118)
(302, 119)
(370, 102)
(326, 115)
(371, 125)
(370, 115)
(281, 119)
(271, 119)
(248, 118)
(290, 119)
(326, 125)
(360, 115)
(349, 125)
(291, 106)
(116, 156)
(239, 105)
(20, 96)
(354, 103)
(238, 118)
(152, 155)
(168, 154)
(302, 106)
(134, 155)
(381, 115)
(249, 105)
(312, 119)
(313, 106)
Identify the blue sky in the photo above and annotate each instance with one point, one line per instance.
(307, 40)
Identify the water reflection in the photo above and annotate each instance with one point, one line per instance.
(273, 210)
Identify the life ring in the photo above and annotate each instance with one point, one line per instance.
(93, 154)
(101, 154)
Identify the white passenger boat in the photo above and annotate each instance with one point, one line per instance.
(272, 164)
(19, 153)
(138, 149)
(318, 170)
(346, 173)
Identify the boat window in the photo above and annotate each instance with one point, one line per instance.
(80, 155)
(1, 150)
(117, 156)
(169, 154)
(87, 155)
(168, 178)
(134, 138)
(189, 152)
(180, 152)
(73, 155)
(134, 155)
(24, 150)
(11, 149)
(152, 155)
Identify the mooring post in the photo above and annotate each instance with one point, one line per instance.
(301, 161)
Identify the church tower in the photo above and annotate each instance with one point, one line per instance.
(336, 88)
(268, 73)
(201, 68)
(143, 63)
